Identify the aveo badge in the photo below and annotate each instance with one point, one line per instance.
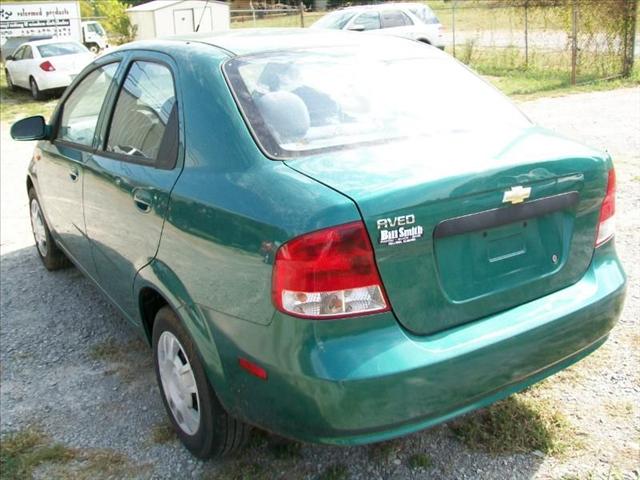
(397, 230)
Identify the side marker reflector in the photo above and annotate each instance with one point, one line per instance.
(253, 369)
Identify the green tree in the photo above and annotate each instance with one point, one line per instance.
(113, 15)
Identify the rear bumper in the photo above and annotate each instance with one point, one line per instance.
(54, 80)
(365, 380)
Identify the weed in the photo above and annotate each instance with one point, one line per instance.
(521, 423)
(107, 350)
(23, 451)
(163, 433)
(383, 451)
(284, 449)
(335, 472)
(420, 460)
(240, 470)
(19, 103)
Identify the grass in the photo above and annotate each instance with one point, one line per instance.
(519, 424)
(163, 433)
(18, 104)
(420, 460)
(22, 452)
(335, 472)
(384, 451)
(283, 449)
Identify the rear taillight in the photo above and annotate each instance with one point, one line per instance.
(47, 66)
(606, 224)
(328, 273)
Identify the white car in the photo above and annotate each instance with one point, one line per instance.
(410, 20)
(44, 65)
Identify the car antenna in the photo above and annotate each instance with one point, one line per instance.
(202, 15)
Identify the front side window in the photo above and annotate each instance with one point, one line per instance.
(145, 117)
(17, 55)
(368, 20)
(82, 108)
(394, 18)
(65, 48)
(300, 102)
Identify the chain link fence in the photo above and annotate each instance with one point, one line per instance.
(572, 40)
(581, 40)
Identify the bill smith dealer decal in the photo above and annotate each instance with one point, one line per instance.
(397, 230)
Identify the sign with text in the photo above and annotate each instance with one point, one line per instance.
(58, 20)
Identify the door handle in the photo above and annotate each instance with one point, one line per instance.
(73, 174)
(142, 200)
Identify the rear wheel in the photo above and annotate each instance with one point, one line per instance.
(10, 84)
(195, 412)
(51, 256)
(94, 48)
(36, 93)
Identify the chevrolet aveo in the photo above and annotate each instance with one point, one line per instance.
(338, 238)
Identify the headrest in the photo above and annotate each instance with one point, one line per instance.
(285, 114)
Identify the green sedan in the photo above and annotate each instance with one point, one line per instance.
(335, 237)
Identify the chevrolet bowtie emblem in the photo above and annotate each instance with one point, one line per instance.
(516, 195)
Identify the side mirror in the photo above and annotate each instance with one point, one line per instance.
(31, 128)
(10, 58)
(356, 28)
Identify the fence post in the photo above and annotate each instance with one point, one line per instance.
(630, 37)
(526, 33)
(453, 25)
(302, 14)
(574, 41)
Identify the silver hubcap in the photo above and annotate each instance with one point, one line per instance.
(37, 225)
(178, 383)
(34, 88)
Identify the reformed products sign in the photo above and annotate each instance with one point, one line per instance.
(58, 20)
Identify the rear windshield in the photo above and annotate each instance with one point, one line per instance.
(55, 49)
(302, 102)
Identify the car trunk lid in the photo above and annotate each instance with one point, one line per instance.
(466, 225)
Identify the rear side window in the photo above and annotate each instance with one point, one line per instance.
(394, 18)
(27, 54)
(56, 49)
(81, 109)
(144, 125)
(368, 20)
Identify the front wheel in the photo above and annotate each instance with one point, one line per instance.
(93, 48)
(36, 93)
(52, 257)
(195, 412)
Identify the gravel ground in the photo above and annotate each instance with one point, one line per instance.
(71, 366)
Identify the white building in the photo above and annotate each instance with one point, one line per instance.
(162, 18)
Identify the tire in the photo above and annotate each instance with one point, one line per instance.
(52, 257)
(10, 84)
(94, 48)
(215, 434)
(36, 93)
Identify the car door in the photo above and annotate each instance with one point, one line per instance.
(130, 178)
(16, 67)
(60, 170)
(365, 21)
(26, 65)
(396, 22)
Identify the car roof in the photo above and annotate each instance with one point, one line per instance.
(381, 6)
(259, 40)
(48, 41)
